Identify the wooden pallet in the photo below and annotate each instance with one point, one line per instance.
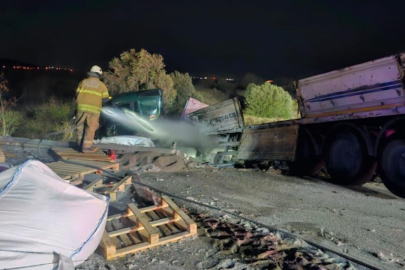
(143, 228)
(2, 156)
(70, 153)
(75, 173)
(109, 190)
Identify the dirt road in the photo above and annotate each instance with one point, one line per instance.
(364, 223)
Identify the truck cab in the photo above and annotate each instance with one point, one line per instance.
(147, 104)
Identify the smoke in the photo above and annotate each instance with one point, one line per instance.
(165, 130)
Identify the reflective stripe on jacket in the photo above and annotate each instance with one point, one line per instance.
(90, 93)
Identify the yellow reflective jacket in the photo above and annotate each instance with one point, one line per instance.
(89, 95)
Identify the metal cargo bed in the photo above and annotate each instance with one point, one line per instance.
(376, 87)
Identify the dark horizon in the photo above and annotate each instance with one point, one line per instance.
(210, 38)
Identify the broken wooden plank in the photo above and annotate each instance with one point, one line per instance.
(143, 210)
(136, 228)
(35, 142)
(117, 225)
(116, 242)
(2, 156)
(69, 153)
(153, 235)
(135, 237)
(164, 240)
(120, 186)
(94, 184)
(191, 225)
(108, 226)
(147, 227)
(163, 228)
(107, 246)
(127, 242)
(64, 169)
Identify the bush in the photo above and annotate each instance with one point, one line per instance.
(47, 118)
(9, 118)
(269, 101)
(68, 134)
(254, 120)
(183, 84)
(13, 120)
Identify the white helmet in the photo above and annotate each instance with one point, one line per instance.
(96, 69)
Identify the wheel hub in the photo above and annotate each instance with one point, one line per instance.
(346, 157)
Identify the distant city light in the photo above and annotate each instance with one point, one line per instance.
(211, 78)
(40, 68)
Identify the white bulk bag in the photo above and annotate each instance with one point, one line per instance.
(46, 223)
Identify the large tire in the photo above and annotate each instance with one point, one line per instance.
(347, 161)
(393, 167)
(307, 163)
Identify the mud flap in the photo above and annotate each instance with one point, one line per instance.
(269, 143)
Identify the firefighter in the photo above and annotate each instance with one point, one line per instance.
(91, 94)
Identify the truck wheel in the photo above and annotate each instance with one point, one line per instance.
(307, 163)
(393, 167)
(347, 160)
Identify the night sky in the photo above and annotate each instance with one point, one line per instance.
(223, 38)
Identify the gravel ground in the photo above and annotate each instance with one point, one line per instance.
(367, 223)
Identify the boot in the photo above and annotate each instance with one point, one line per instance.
(89, 150)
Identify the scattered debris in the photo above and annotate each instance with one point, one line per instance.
(257, 248)
(389, 258)
(274, 171)
(149, 161)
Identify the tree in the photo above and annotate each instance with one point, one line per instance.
(9, 119)
(134, 71)
(184, 87)
(269, 101)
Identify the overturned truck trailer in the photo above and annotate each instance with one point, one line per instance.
(353, 123)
